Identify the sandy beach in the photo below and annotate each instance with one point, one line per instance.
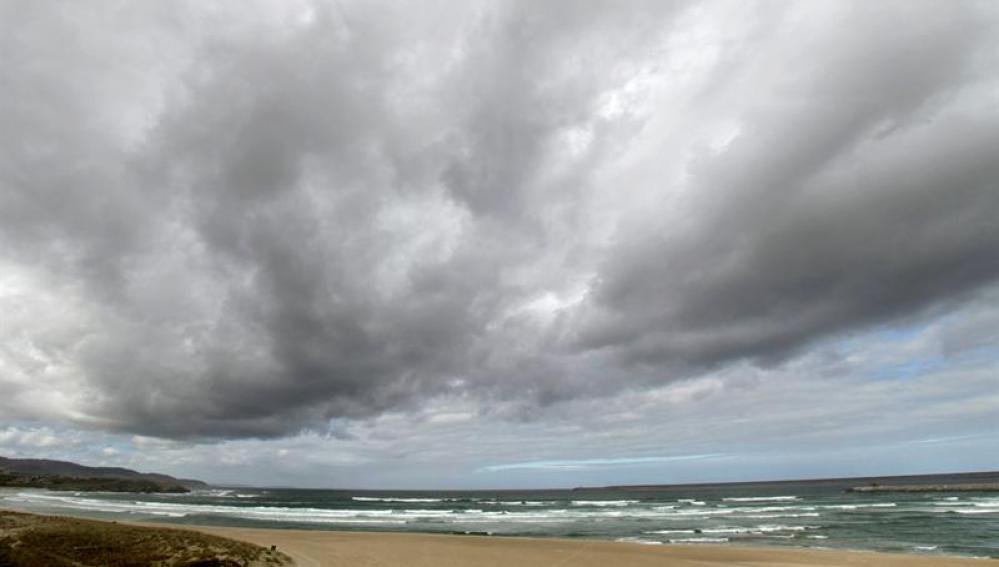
(30, 539)
(359, 549)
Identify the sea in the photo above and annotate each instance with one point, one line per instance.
(803, 514)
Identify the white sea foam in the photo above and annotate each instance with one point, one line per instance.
(762, 529)
(976, 505)
(727, 530)
(520, 502)
(704, 512)
(859, 506)
(402, 500)
(781, 528)
(763, 499)
(772, 509)
(271, 513)
(526, 515)
(205, 492)
(687, 521)
(979, 511)
(771, 516)
(638, 540)
(341, 516)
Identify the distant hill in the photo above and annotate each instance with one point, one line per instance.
(46, 467)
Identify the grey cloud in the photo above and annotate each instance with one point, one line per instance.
(859, 189)
(285, 214)
(764, 419)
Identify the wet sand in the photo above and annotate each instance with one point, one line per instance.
(359, 549)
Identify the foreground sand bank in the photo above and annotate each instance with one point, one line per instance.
(354, 549)
(34, 540)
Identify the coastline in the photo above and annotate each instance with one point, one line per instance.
(331, 548)
(764, 515)
(315, 548)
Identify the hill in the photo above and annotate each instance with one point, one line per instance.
(64, 475)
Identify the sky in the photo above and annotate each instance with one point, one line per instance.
(470, 244)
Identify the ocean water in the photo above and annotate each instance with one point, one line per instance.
(819, 515)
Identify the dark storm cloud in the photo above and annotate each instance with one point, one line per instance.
(859, 188)
(260, 218)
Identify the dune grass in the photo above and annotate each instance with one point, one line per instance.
(29, 540)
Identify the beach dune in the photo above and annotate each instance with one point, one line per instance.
(359, 549)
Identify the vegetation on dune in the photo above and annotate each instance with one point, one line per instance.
(28, 540)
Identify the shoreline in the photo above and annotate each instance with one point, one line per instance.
(329, 548)
(332, 548)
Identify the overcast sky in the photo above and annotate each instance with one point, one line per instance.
(499, 244)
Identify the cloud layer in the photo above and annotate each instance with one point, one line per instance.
(232, 220)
